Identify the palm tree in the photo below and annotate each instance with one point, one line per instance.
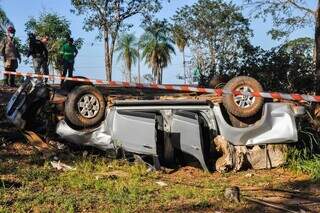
(157, 48)
(127, 48)
(181, 40)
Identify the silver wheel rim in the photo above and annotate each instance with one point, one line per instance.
(244, 100)
(88, 106)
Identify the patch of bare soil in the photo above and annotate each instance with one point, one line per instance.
(279, 187)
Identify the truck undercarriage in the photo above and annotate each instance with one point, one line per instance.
(167, 127)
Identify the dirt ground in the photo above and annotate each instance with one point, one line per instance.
(29, 183)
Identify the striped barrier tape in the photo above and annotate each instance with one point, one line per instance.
(182, 88)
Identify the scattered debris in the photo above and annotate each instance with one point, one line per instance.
(267, 157)
(61, 166)
(139, 160)
(237, 158)
(150, 169)
(225, 162)
(34, 140)
(58, 145)
(161, 183)
(232, 193)
(249, 175)
(85, 154)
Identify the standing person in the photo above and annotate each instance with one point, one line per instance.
(39, 54)
(68, 52)
(9, 51)
(45, 66)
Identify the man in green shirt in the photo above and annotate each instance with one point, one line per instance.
(68, 52)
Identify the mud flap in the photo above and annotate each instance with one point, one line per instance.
(186, 135)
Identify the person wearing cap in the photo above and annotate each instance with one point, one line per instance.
(39, 53)
(69, 53)
(11, 56)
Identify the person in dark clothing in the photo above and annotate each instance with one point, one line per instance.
(38, 51)
(45, 65)
(68, 52)
(9, 51)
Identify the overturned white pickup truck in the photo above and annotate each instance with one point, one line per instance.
(162, 129)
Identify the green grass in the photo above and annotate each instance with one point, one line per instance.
(91, 188)
(309, 166)
(99, 184)
(304, 157)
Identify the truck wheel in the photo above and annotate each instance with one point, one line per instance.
(218, 82)
(244, 122)
(243, 106)
(70, 85)
(85, 107)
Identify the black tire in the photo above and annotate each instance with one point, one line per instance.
(70, 85)
(244, 122)
(82, 114)
(233, 105)
(218, 82)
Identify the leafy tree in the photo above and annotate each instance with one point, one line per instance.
(109, 16)
(157, 47)
(57, 28)
(181, 40)
(4, 22)
(288, 67)
(216, 30)
(289, 15)
(127, 48)
(300, 47)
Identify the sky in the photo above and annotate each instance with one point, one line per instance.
(90, 60)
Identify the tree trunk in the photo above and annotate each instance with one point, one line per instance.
(317, 40)
(129, 72)
(139, 75)
(158, 74)
(107, 57)
(184, 66)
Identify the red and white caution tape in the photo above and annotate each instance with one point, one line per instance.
(182, 88)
